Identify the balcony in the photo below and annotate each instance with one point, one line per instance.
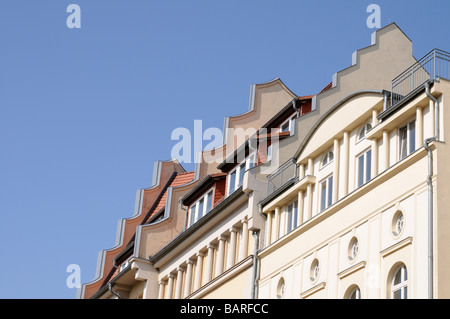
(283, 177)
(434, 65)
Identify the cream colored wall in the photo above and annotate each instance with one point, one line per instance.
(238, 287)
(368, 219)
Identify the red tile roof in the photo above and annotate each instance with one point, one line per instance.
(180, 179)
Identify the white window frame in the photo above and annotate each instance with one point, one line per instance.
(328, 181)
(326, 159)
(410, 139)
(247, 163)
(363, 131)
(402, 287)
(292, 216)
(290, 120)
(367, 171)
(193, 218)
(355, 292)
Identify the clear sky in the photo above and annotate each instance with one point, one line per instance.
(85, 112)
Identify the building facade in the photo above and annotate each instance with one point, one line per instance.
(340, 194)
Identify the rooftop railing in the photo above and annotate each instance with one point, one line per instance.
(286, 173)
(434, 65)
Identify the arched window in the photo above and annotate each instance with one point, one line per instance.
(363, 131)
(399, 284)
(353, 293)
(327, 159)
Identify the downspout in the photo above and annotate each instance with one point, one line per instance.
(430, 189)
(110, 288)
(294, 105)
(255, 234)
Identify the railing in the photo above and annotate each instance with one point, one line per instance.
(434, 65)
(279, 178)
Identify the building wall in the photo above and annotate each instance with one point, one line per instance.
(367, 213)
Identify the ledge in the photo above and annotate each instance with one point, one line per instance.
(312, 290)
(289, 194)
(405, 242)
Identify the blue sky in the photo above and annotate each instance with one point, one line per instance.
(84, 113)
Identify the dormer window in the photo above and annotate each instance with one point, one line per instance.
(327, 159)
(287, 126)
(362, 133)
(201, 207)
(236, 176)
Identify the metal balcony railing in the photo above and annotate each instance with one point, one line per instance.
(434, 65)
(286, 173)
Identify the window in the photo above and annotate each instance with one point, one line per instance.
(288, 125)
(399, 286)
(236, 176)
(326, 193)
(353, 249)
(398, 222)
(281, 289)
(407, 139)
(292, 213)
(314, 271)
(201, 207)
(327, 159)
(364, 163)
(355, 293)
(362, 133)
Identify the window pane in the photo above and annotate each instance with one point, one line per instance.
(403, 142)
(323, 195)
(209, 204)
(368, 165)
(362, 133)
(232, 181)
(251, 161)
(397, 294)
(398, 277)
(241, 174)
(192, 212)
(200, 208)
(360, 170)
(285, 127)
(330, 191)
(412, 137)
(289, 212)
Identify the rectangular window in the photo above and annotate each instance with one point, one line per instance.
(241, 174)
(287, 125)
(407, 139)
(364, 167)
(201, 204)
(193, 214)
(326, 193)
(236, 176)
(292, 212)
(232, 182)
(201, 207)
